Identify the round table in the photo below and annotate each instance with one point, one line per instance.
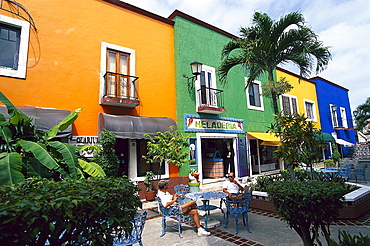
(205, 197)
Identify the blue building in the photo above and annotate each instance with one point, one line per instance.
(335, 115)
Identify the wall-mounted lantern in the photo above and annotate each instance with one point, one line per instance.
(196, 69)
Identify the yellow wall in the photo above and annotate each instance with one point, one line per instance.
(303, 89)
(64, 60)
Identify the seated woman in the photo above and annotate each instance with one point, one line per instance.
(188, 208)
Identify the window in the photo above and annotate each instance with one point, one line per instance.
(289, 105)
(344, 117)
(310, 110)
(334, 116)
(254, 95)
(117, 69)
(14, 36)
(206, 88)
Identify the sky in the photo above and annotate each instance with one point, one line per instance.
(342, 25)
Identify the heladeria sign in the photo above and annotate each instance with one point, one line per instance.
(196, 123)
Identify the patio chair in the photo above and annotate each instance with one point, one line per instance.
(135, 235)
(344, 173)
(237, 204)
(360, 172)
(170, 212)
(182, 190)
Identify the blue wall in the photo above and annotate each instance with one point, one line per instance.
(330, 93)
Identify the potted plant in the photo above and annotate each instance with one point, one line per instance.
(194, 180)
(148, 181)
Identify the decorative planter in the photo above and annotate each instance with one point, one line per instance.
(355, 203)
(150, 195)
(194, 186)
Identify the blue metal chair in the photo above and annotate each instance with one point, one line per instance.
(237, 204)
(182, 190)
(170, 212)
(360, 172)
(135, 235)
(344, 173)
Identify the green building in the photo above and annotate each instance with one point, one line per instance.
(213, 113)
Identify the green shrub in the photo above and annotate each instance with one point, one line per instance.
(307, 207)
(345, 239)
(70, 211)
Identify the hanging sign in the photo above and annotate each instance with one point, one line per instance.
(196, 123)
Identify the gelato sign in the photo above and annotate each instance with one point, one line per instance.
(195, 123)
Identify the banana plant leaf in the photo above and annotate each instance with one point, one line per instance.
(91, 168)
(63, 124)
(40, 152)
(10, 168)
(14, 113)
(68, 152)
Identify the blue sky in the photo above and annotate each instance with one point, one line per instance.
(342, 25)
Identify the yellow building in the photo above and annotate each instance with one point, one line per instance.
(301, 99)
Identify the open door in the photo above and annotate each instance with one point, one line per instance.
(242, 155)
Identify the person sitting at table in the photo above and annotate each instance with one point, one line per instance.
(188, 208)
(231, 186)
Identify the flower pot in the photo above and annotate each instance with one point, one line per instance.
(150, 195)
(194, 186)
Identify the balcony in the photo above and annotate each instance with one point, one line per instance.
(120, 90)
(210, 101)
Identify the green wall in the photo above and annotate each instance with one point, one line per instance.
(194, 42)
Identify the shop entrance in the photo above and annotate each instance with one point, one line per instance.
(214, 154)
(122, 152)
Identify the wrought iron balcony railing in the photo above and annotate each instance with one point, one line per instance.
(120, 90)
(210, 100)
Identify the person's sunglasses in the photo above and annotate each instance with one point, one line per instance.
(230, 176)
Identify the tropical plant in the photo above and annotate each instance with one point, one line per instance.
(148, 181)
(267, 44)
(29, 152)
(68, 212)
(308, 207)
(362, 115)
(346, 239)
(106, 156)
(300, 141)
(169, 146)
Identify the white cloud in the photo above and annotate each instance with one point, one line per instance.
(342, 24)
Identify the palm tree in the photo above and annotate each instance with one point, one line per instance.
(267, 44)
(362, 115)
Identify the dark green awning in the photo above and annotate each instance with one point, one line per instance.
(326, 137)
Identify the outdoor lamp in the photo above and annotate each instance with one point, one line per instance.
(196, 69)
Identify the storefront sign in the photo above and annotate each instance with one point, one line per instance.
(85, 140)
(195, 123)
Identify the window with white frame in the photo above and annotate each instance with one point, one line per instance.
(205, 86)
(310, 110)
(254, 95)
(334, 115)
(343, 117)
(14, 37)
(117, 64)
(289, 105)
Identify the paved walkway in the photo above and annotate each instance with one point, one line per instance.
(267, 228)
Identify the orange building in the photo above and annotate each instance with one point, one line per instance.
(113, 60)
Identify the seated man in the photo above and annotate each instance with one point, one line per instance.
(231, 186)
(188, 208)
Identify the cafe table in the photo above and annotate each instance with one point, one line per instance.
(328, 172)
(205, 197)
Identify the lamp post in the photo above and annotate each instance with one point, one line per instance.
(196, 69)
